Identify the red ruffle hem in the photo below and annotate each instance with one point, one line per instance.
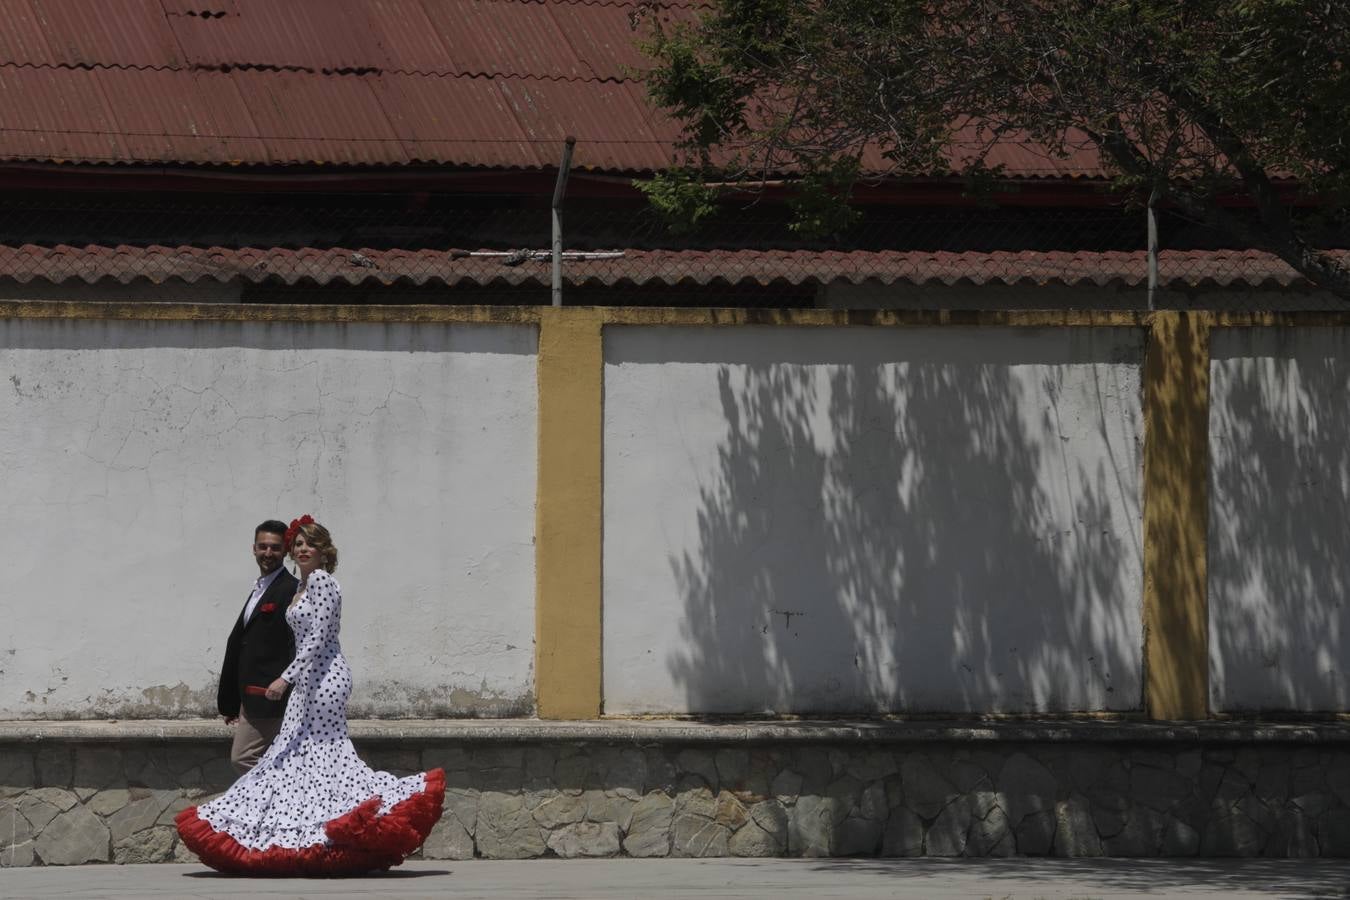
(360, 840)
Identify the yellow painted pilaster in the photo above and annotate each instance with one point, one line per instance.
(568, 514)
(1176, 481)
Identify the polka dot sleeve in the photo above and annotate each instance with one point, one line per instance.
(323, 607)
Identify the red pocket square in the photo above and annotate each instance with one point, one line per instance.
(255, 691)
(267, 607)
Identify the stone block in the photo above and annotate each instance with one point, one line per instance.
(1232, 833)
(1153, 759)
(846, 792)
(991, 836)
(662, 773)
(539, 763)
(786, 787)
(560, 809)
(137, 815)
(602, 806)
(499, 756)
(1334, 833)
(14, 826)
(1035, 833)
(733, 767)
(731, 813)
(873, 765)
(448, 840)
(97, 768)
(698, 837)
(151, 845)
(813, 764)
(1272, 782)
(649, 829)
(56, 767)
(927, 791)
(1086, 766)
(16, 855)
(967, 776)
(1028, 789)
(872, 803)
(506, 830)
(626, 775)
(858, 837)
(1311, 805)
(462, 805)
(1075, 832)
(751, 840)
(176, 805)
(811, 826)
(109, 801)
(949, 831)
(772, 818)
(1179, 839)
(1109, 820)
(17, 772)
(903, 835)
(698, 762)
(1139, 836)
(1338, 780)
(76, 836)
(41, 805)
(589, 839)
(1159, 789)
(696, 801)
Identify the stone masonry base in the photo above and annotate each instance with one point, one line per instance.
(82, 792)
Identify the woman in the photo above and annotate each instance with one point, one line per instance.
(311, 806)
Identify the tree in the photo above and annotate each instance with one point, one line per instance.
(1235, 112)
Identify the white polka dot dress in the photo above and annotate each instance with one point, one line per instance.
(311, 776)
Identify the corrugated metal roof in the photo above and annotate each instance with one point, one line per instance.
(485, 83)
(364, 266)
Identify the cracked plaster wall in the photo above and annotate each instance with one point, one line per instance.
(831, 520)
(137, 456)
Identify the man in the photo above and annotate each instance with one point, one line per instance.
(260, 647)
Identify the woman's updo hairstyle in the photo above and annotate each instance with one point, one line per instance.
(318, 537)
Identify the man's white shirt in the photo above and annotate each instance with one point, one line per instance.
(259, 588)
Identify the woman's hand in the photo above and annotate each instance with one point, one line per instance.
(277, 689)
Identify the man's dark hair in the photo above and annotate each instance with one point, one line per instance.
(271, 526)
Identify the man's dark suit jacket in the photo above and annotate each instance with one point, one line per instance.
(257, 653)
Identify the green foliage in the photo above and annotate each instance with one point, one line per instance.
(680, 198)
(819, 208)
(1203, 100)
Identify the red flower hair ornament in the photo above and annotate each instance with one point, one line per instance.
(292, 531)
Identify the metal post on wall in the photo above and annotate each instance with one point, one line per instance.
(559, 189)
(1152, 247)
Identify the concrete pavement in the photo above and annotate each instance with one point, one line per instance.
(734, 879)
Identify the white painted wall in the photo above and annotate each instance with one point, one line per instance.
(851, 520)
(136, 458)
(1279, 519)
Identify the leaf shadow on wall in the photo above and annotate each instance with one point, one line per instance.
(1279, 524)
(944, 522)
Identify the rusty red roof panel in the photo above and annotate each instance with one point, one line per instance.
(23, 38)
(109, 33)
(319, 35)
(473, 83)
(364, 266)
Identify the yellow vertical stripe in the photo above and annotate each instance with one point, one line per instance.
(568, 515)
(1176, 482)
